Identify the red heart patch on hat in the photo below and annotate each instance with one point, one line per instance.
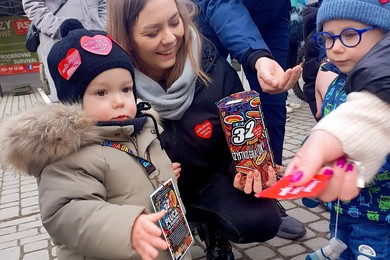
(69, 64)
(384, 1)
(204, 129)
(98, 44)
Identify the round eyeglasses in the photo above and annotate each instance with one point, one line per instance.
(349, 37)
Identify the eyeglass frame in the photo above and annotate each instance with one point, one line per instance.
(334, 37)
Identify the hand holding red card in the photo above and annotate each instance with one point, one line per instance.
(284, 190)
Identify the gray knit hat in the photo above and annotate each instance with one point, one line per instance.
(370, 12)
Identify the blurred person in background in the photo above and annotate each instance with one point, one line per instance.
(91, 13)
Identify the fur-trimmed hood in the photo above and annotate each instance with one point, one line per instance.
(44, 134)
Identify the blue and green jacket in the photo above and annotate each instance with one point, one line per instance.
(373, 202)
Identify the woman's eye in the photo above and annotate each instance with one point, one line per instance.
(175, 23)
(152, 35)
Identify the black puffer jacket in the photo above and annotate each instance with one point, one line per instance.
(204, 155)
(372, 72)
(311, 63)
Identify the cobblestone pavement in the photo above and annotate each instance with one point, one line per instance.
(23, 237)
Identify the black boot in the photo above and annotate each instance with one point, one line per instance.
(217, 247)
(290, 228)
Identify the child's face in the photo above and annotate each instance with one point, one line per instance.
(157, 37)
(346, 58)
(109, 96)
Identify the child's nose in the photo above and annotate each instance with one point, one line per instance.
(118, 101)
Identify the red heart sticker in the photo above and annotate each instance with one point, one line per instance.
(98, 44)
(204, 130)
(69, 64)
(384, 1)
(284, 190)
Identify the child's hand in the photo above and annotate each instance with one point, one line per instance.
(146, 235)
(319, 149)
(176, 169)
(251, 182)
(341, 184)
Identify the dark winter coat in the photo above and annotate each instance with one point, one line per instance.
(372, 73)
(203, 158)
(311, 62)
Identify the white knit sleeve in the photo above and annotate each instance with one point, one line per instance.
(362, 124)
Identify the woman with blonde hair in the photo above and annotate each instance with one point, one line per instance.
(182, 75)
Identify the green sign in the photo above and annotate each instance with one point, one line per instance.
(14, 57)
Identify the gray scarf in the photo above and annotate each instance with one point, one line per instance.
(174, 102)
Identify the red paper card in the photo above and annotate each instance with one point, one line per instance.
(284, 190)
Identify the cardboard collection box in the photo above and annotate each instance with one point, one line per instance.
(246, 134)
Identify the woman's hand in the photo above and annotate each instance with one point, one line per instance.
(146, 235)
(319, 149)
(342, 184)
(176, 169)
(251, 182)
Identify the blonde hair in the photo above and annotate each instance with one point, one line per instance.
(123, 14)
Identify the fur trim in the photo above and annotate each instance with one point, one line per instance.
(42, 135)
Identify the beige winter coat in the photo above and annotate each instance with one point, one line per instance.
(89, 195)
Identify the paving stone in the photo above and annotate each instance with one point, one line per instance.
(316, 243)
(320, 226)
(9, 205)
(10, 191)
(303, 215)
(18, 235)
(7, 230)
(35, 238)
(19, 221)
(30, 225)
(292, 250)
(10, 212)
(260, 252)
(38, 245)
(30, 201)
(12, 253)
(9, 198)
(30, 210)
(29, 187)
(41, 255)
(29, 194)
(8, 244)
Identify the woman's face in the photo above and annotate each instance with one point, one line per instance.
(157, 37)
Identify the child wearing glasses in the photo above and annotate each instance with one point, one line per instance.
(355, 36)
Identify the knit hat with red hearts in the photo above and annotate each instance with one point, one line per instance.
(80, 56)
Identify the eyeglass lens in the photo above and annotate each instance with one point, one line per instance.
(349, 38)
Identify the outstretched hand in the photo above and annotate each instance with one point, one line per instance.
(273, 79)
(251, 182)
(146, 235)
(342, 184)
(320, 149)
